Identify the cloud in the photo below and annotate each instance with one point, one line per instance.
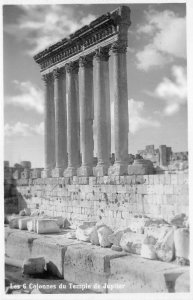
(20, 129)
(166, 39)
(42, 25)
(29, 97)
(136, 119)
(151, 57)
(174, 93)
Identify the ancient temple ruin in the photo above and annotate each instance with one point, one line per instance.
(67, 69)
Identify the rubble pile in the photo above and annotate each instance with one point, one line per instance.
(150, 238)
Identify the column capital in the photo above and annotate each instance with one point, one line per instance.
(86, 61)
(102, 54)
(119, 47)
(47, 78)
(58, 73)
(72, 67)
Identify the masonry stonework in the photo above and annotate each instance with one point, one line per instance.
(114, 200)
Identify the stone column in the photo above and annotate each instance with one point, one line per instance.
(120, 108)
(72, 120)
(60, 122)
(101, 169)
(49, 126)
(108, 108)
(86, 115)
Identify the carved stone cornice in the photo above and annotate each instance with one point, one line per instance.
(86, 62)
(102, 54)
(58, 73)
(72, 67)
(47, 78)
(119, 47)
(103, 29)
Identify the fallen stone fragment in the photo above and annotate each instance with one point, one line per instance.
(22, 223)
(116, 248)
(83, 232)
(148, 251)
(27, 211)
(31, 225)
(165, 247)
(115, 238)
(182, 244)
(71, 235)
(59, 221)
(179, 220)
(103, 235)
(33, 265)
(150, 240)
(66, 224)
(157, 231)
(94, 239)
(22, 212)
(132, 242)
(14, 223)
(47, 226)
(182, 284)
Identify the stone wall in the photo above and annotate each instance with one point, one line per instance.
(112, 199)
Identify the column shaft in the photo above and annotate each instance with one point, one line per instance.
(121, 125)
(60, 122)
(72, 121)
(49, 126)
(101, 115)
(86, 115)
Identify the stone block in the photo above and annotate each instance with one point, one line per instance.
(88, 259)
(84, 180)
(33, 265)
(182, 284)
(47, 226)
(57, 172)
(182, 243)
(35, 173)
(100, 170)
(139, 275)
(118, 169)
(46, 173)
(85, 171)
(131, 242)
(22, 223)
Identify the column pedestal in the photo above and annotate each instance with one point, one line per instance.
(46, 173)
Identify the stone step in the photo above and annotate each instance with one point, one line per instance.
(103, 269)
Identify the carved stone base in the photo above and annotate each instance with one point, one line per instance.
(46, 173)
(118, 169)
(70, 171)
(100, 170)
(85, 171)
(57, 172)
(141, 167)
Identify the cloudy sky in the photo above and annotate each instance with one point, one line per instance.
(156, 64)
